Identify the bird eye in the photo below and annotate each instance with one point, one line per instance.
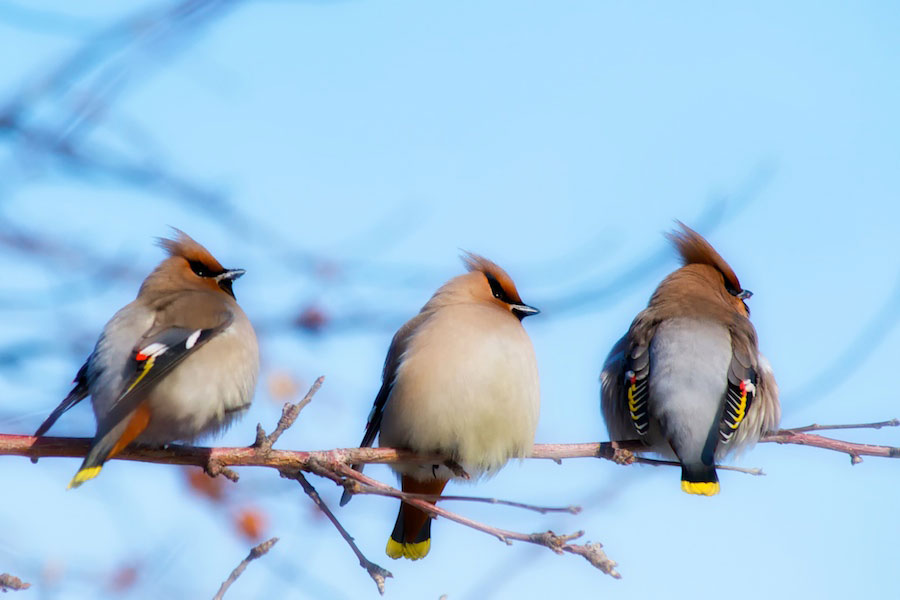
(199, 269)
(496, 289)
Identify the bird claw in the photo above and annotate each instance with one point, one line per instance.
(621, 456)
(457, 469)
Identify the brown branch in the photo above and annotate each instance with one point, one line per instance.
(11, 582)
(557, 543)
(255, 552)
(334, 465)
(816, 427)
(856, 451)
(376, 572)
(25, 445)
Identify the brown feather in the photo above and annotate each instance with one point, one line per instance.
(186, 247)
(476, 263)
(694, 249)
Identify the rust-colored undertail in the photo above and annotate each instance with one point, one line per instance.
(411, 537)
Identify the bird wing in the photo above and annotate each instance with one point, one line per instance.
(739, 394)
(391, 362)
(159, 351)
(625, 382)
(78, 393)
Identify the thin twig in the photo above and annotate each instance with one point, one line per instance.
(255, 552)
(556, 543)
(816, 427)
(289, 414)
(671, 463)
(376, 572)
(572, 510)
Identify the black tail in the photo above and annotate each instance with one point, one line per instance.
(78, 393)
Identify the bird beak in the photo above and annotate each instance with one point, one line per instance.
(230, 275)
(225, 279)
(523, 310)
(745, 294)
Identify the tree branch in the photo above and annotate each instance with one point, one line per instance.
(335, 465)
(593, 553)
(376, 572)
(255, 552)
(11, 582)
(200, 456)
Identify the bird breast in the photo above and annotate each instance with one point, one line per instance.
(466, 387)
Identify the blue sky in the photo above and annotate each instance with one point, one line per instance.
(559, 139)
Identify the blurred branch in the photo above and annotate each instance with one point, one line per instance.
(10, 582)
(255, 552)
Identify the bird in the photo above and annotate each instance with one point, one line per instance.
(178, 362)
(688, 379)
(460, 380)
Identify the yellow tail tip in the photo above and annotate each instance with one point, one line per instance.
(83, 475)
(702, 488)
(413, 551)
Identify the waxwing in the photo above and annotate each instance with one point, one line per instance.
(178, 362)
(460, 380)
(688, 378)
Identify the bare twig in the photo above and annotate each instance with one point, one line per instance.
(255, 552)
(572, 510)
(289, 414)
(376, 572)
(856, 451)
(672, 463)
(817, 427)
(556, 543)
(11, 582)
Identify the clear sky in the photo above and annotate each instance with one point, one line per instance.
(560, 139)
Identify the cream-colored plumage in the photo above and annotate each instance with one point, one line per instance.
(466, 385)
(460, 380)
(687, 378)
(178, 362)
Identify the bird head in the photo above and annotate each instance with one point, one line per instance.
(700, 257)
(190, 266)
(487, 282)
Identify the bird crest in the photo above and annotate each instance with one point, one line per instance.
(495, 275)
(694, 249)
(186, 247)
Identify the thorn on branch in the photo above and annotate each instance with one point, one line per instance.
(260, 436)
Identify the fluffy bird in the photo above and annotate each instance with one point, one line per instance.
(178, 362)
(688, 378)
(460, 380)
